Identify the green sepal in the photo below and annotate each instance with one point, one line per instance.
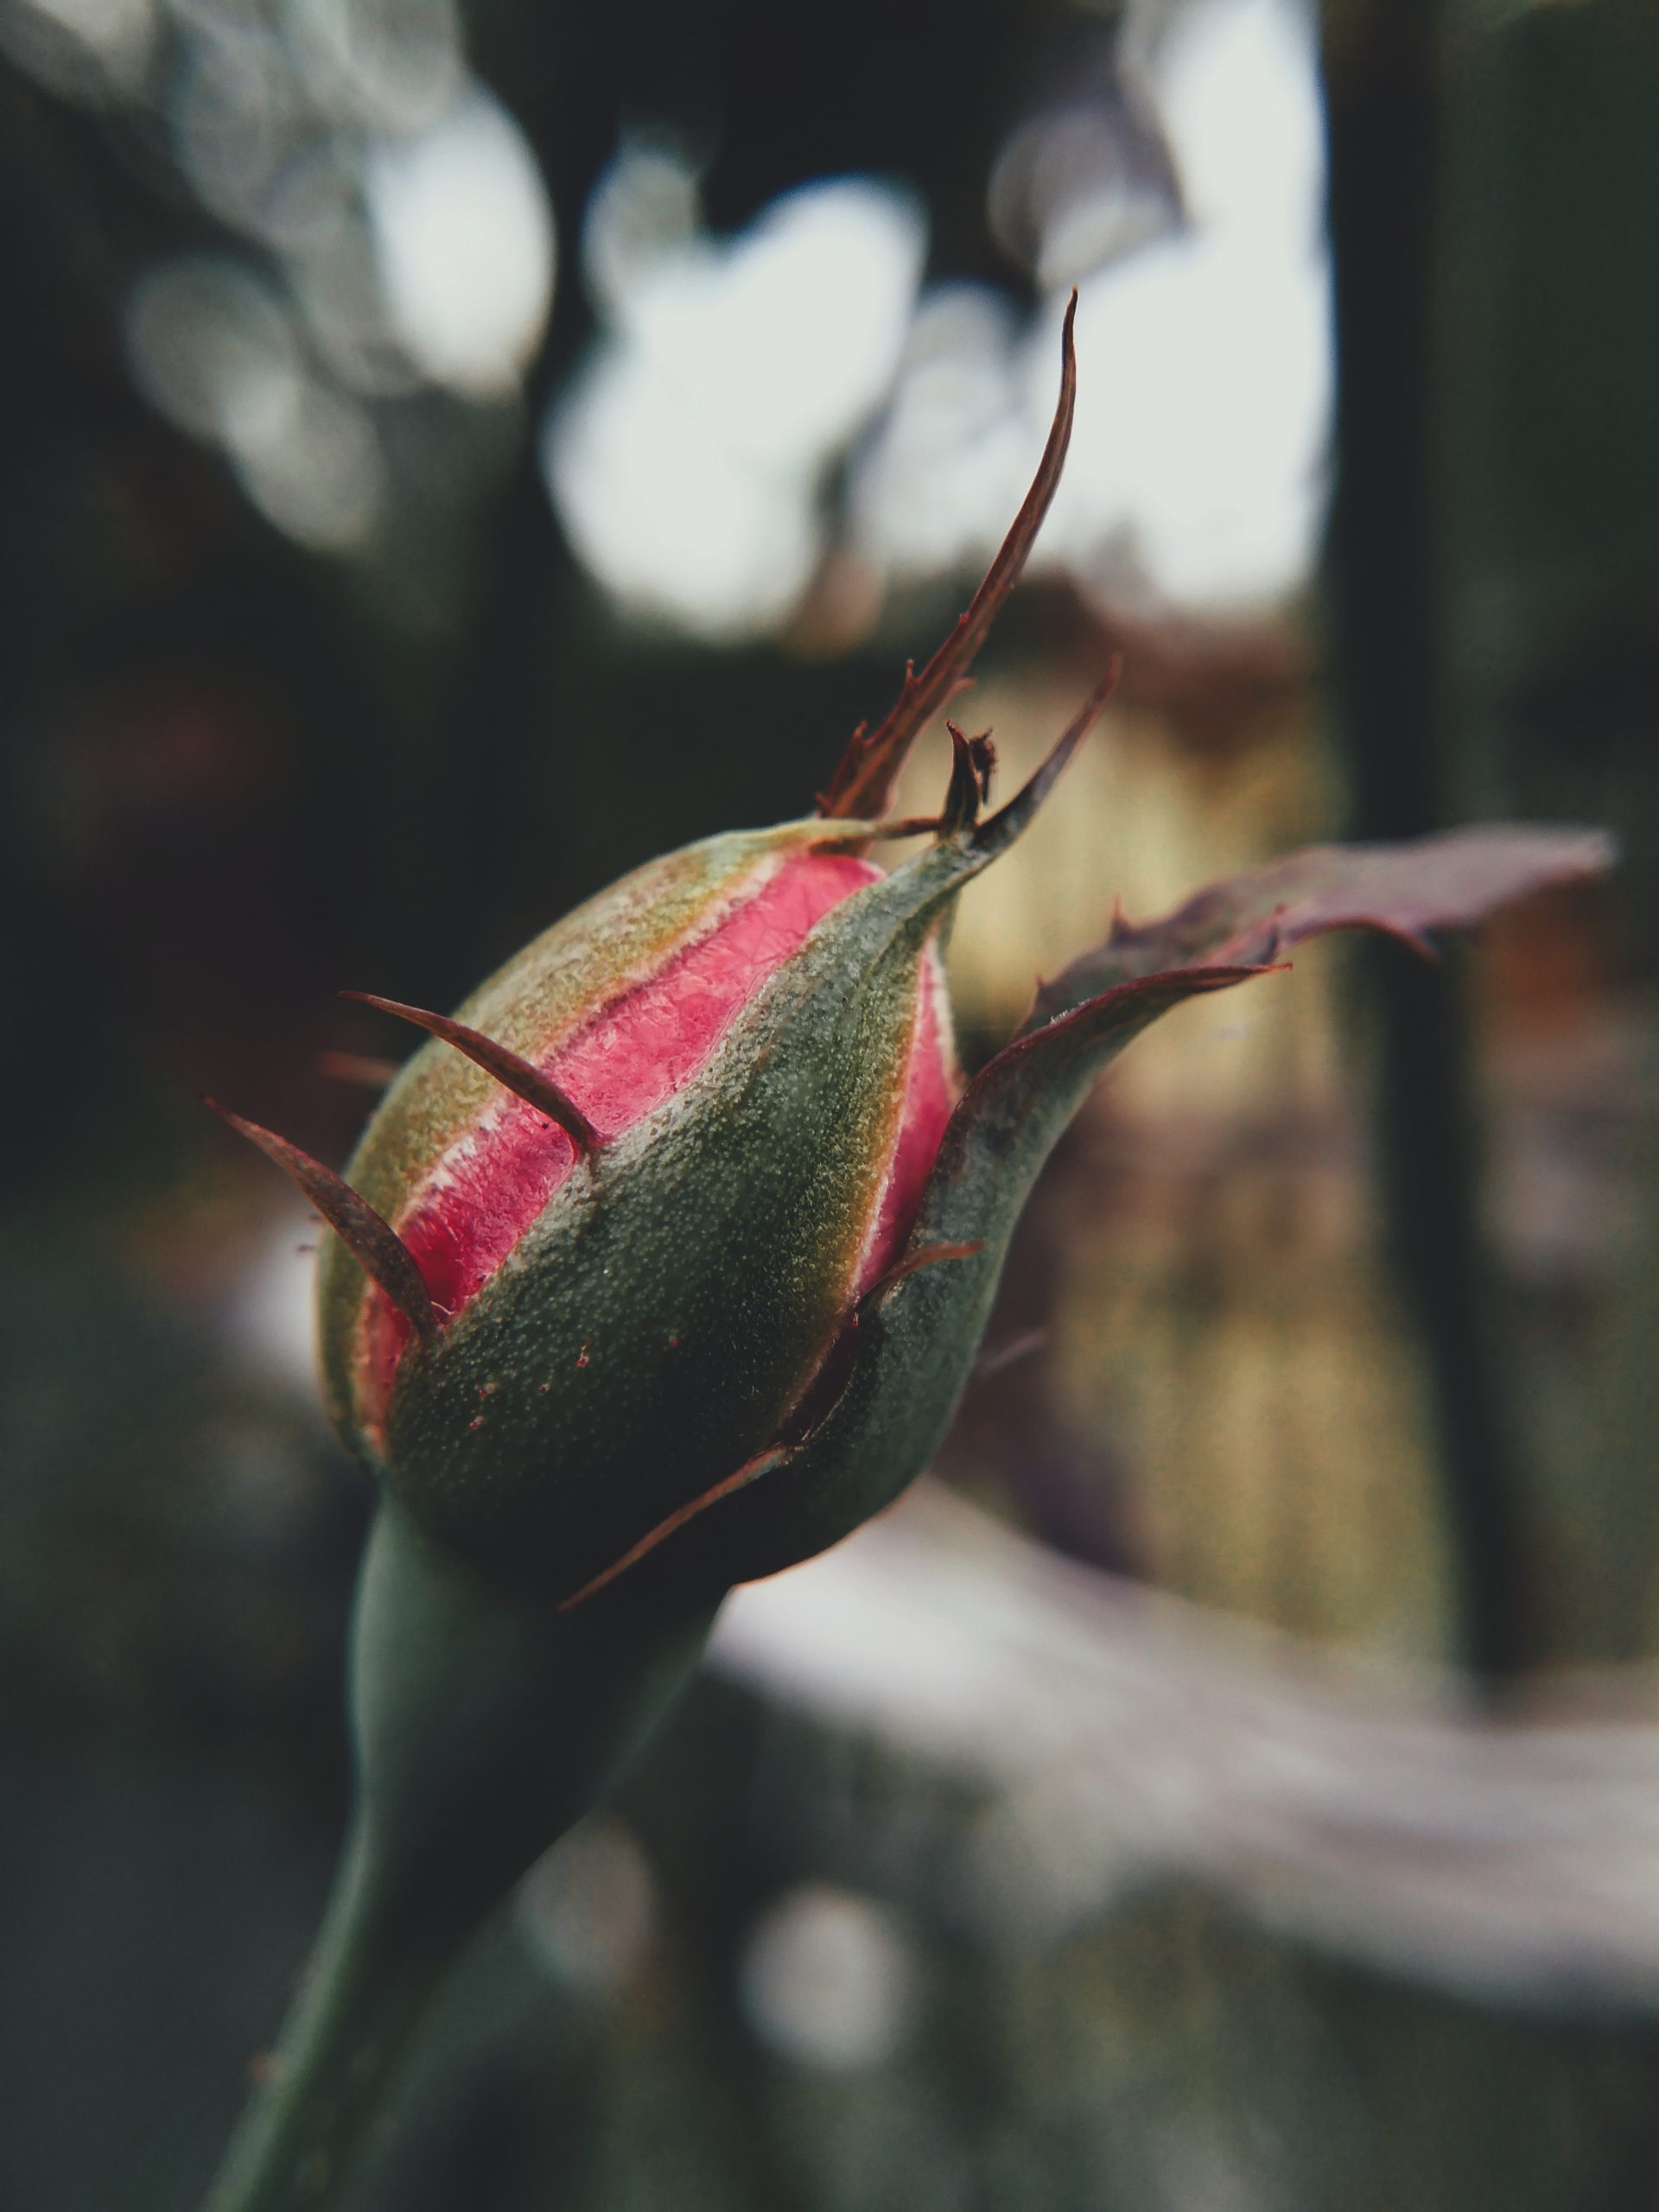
(656, 1327)
(612, 942)
(910, 1350)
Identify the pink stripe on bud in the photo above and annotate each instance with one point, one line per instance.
(932, 1085)
(630, 1057)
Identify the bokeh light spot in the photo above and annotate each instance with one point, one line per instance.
(463, 229)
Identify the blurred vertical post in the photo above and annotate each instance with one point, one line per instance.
(1384, 92)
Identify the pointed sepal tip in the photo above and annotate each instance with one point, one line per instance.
(367, 1235)
(513, 1072)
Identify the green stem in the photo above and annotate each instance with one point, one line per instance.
(365, 1993)
(486, 1724)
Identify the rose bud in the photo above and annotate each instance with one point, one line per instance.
(602, 1241)
(662, 1266)
(634, 1282)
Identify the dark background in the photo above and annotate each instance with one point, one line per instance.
(241, 773)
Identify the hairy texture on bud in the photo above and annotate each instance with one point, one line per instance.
(755, 1033)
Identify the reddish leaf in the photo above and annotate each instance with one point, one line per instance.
(1448, 882)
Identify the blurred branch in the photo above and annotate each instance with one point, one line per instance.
(1383, 68)
(1125, 1736)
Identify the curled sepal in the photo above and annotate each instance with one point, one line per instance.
(1448, 882)
(510, 1070)
(868, 770)
(367, 1235)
